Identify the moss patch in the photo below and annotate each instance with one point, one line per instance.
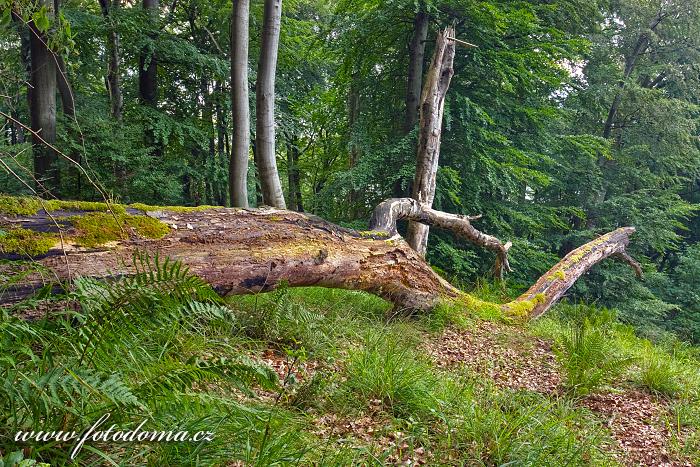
(30, 205)
(373, 233)
(19, 205)
(99, 228)
(26, 242)
(523, 308)
(55, 205)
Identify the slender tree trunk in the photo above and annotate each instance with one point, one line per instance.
(265, 106)
(240, 144)
(415, 70)
(42, 106)
(64, 88)
(113, 80)
(221, 153)
(148, 60)
(293, 175)
(353, 118)
(414, 83)
(432, 108)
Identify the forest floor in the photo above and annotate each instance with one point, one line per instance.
(621, 421)
(354, 388)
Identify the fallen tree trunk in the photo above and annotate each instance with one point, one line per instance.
(248, 251)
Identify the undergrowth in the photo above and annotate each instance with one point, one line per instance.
(162, 347)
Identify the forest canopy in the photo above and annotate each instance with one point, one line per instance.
(567, 120)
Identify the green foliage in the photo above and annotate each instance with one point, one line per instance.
(139, 348)
(527, 429)
(659, 374)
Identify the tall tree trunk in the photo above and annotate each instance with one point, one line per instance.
(265, 106)
(293, 175)
(414, 83)
(221, 152)
(148, 76)
(416, 56)
(240, 144)
(353, 118)
(42, 105)
(431, 110)
(148, 60)
(113, 80)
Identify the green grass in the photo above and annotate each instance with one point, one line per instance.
(385, 370)
(163, 347)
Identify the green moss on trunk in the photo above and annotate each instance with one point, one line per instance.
(26, 242)
(98, 228)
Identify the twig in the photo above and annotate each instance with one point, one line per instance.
(461, 42)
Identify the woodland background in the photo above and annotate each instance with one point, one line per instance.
(569, 119)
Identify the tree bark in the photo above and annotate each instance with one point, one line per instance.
(416, 56)
(353, 119)
(64, 88)
(293, 175)
(249, 251)
(148, 60)
(42, 102)
(389, 212)
(265, 106)
(113, 79)
(414, 82)
(431, 110)
(240, 144)
(551, 287)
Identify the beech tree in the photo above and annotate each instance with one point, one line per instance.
(240, 144)
(265, 157)
(113, 79)
(42, 98)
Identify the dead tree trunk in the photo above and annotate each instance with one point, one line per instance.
(265, 106)
(551, 287)
(248, 251)
(387, 213)
(432, 107)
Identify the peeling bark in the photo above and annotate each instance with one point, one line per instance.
(432, 107)
(248, 251)
(551, 286)
(387, 213)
